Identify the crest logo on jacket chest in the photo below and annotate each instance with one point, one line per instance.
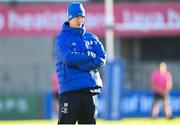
(73, 44)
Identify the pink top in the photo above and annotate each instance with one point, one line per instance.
(159, 81)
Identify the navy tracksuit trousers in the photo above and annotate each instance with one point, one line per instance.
(77, 107)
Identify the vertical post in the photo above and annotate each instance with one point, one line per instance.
(109, 18)
(112, 90)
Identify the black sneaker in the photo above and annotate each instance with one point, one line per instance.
(171, 117)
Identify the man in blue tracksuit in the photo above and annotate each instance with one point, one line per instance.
(79, 54)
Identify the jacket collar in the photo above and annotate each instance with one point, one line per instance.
(67, 28)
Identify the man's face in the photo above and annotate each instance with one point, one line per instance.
(77, 22)
(163, 67)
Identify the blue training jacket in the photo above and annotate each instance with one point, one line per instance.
(78, 56)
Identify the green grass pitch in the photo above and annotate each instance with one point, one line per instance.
(126, 121)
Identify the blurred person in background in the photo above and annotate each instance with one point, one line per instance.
(55, 86)
(79, 55)
(161, 80)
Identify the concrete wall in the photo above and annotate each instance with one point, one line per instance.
(26, 64)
